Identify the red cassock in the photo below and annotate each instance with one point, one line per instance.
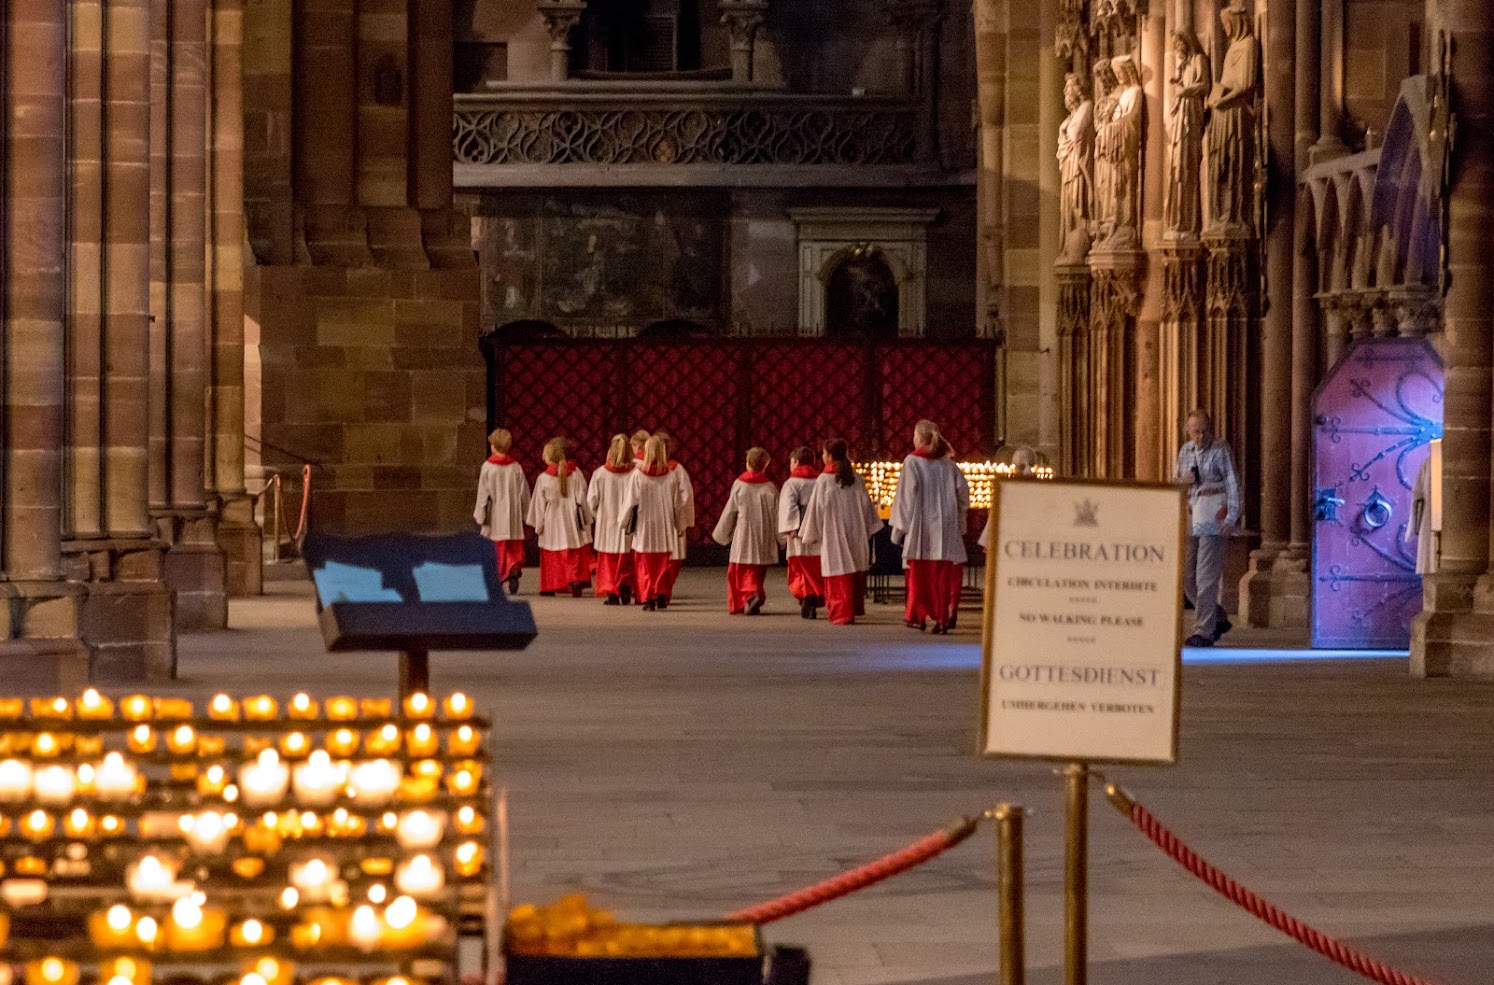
(650, 569)
(933, 590)
(743, 581)
(804, 578)
(845, 597)
(614, 571)
(510, 557)
(559, 570)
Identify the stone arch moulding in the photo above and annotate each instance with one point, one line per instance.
(827, 235)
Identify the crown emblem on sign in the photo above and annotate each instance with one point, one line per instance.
(1086, 513)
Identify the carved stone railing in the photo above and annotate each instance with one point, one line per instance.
(675, 128)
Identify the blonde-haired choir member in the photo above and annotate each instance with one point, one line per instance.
(502, 502)
(686, 492)
(928, 519)
(654, 511)
(748, 524)
(608, 490)
(562, 519)
(839, 522)
(639, 439)
(804, 576)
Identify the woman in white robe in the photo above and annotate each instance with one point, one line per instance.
(804, 578)
(655, 512)
(929, 513)
(562, 520)
(840, 522)
(502, 502)
(749, 523)
(614, 547)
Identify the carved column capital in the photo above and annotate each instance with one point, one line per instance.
(561, 17)
(1183, 295)
(1418, 310)
(742, 19)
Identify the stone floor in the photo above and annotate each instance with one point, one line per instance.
(684, 763)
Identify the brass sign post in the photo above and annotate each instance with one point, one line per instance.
(1009, 881)
(1076, 875)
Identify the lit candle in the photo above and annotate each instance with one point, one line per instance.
(377, 893)
(79, 824)
(469, 855)
(468, 820)
(465, 741)
(181, 740)
(37, 826)
(374, 782)
(419, 705)
(422, 741)
(54, 785)
(342, 709)
(207, 832)
(142, 738)
(365, 930)
(383, 742)
(458, 705)
(318, 781)
(194, 927)
(251, 933)
(420, 829)
(302, 707)
(342, 742)
(173, 709)
(289, 899)
(465, 780)
(376, 707)
(15, 781)
(153, 878)
(51, 971)
(12, 708)
(115, 778)
(401, 930)
(419, 875)
(418, 789)
(223, 708)
(211, 781)
(55, 709)
(112, 928)
(249, 866)
(93, 706)
(313, 878)
(135, 708)
(427, 768)
(261, 708)
(111, 824)
(19, 893)
(125, 971)
(264, 781)
(148, 932)
(271, 971)
(46, 745)
(295, 744)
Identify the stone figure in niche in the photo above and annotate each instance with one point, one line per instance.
(861, 297)
(1230, 140)
(1119, 142)
(1102, 203)
(1076, 142)
(1185, 133)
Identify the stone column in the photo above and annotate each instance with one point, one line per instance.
(1262, 591)
(1331, 83)
(1183, 305)
(1152, 428)
(1335, 326)
(1454, 635)
(1305, 320)
(742, 18)
(1076, 381)
(991, 72)
(40, 641)
(238, 534)
(1114, 305)
(561, 17)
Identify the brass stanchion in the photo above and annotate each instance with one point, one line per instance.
(1010, 885)
(1076, 876)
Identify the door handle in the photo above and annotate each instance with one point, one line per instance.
(1325, 505)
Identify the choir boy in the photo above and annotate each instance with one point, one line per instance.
(839, 523)
(928, 520)
(749, 525)
(686, 492)
(502, 502)
(654, 513)
(561, 518)
(803, 561)
(605, 496)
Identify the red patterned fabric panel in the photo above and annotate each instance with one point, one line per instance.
(951, 384)
(804, 393)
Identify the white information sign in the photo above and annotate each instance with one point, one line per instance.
(1082, 654)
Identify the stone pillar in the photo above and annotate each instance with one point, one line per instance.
(1331, 83)
(1225, 350)
(1268, 596)
(742, 18)
(1152, 426)
(1305, 320)
(1114, 305)
(561, 18)
(1183, 304)
(1454, 635)
(238, 535)
(39, 646)
(991, 72)
(1335, 327)
(1076, 381)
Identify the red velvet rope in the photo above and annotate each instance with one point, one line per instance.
(914, 855)
(1331, 948)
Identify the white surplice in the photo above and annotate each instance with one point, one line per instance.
(502, 501)
(686, 493)
(661, 512)
(929, 510)
(605, 496)
(793, 500)
(749, 523)
(839, 523)
(562, 522)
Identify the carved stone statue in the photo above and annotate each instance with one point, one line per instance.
(1076, 142)
(1182, 208)
(1102, 202)
(1119, 142)
(1230, 140)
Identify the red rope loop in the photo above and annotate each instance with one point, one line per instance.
(1330, 947)
(846, 883)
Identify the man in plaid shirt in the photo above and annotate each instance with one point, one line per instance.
(1205, 466)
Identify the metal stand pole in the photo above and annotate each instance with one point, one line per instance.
(414, 673)
(1076, 876)
(1009, 883)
